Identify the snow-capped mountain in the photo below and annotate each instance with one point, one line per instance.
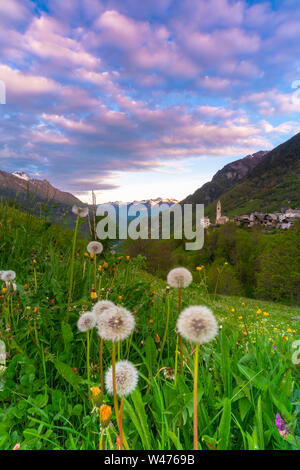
(146, 202)
(22, 175)
(20, 186)
(151, 206)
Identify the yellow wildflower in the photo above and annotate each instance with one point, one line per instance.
(105, 415)
(96, 395)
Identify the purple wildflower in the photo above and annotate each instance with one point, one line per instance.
(281, 426)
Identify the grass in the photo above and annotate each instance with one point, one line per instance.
(246, 375)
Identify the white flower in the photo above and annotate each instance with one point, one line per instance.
(126, 378)
(95, 248)
(8, 276)
(197, 324)
(80, 211)
(101, 306)
(179, 277)
(115, 324)
(86, 322)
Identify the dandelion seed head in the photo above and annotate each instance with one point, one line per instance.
(126, 378)
(86, 322)
(95, 248)
(197, 324)
(115, 324)
(8, 276)
(101, 306)
(80, 211)
(179, 277)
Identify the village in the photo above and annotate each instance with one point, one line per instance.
(280, 220)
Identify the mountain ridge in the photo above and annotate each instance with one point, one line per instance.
(274, 183)
(224, 179)
(14, 185)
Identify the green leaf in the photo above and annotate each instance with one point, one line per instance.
(67, 333)
(175, 440)
(244, 407)
(224, 428)
(139, 418)
(151, 353)
(259, 425)
(69, 375)
(257, 378)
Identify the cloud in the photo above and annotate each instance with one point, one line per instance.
(20, 83)
(97, 88)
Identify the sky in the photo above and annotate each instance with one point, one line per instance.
(143, 99)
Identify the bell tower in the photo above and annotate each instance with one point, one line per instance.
(219, 211)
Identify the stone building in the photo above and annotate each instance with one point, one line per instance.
(220, 220)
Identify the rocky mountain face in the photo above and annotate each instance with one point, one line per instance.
(225, 179)
(20, 186)
(271, 185)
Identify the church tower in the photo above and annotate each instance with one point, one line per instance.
(219, 212)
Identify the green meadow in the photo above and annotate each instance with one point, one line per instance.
(50, 381)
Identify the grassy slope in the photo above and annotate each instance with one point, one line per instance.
(44, 403)
(280, 316)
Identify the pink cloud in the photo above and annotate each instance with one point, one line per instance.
(15, 10)
(47, 38)
(19, 83)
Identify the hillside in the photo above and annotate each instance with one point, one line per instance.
(38, 196)
(272, 184)
(225, 179)
(26, 190)
(51, 366)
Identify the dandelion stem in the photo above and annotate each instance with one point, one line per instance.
(180, 339)
(95, 271)
(101, 441)
(114, 382)
(176, 360)
(121, 424)
(166, 328)
(196, 357)
(101, 364)
(72, 270)
(88, 358)
(35, 279)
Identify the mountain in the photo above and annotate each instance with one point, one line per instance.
(148, 203)
(19, 185)
(225, 179)
(272, 184)
(153, 205)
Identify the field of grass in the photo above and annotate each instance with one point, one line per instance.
(246, 374)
